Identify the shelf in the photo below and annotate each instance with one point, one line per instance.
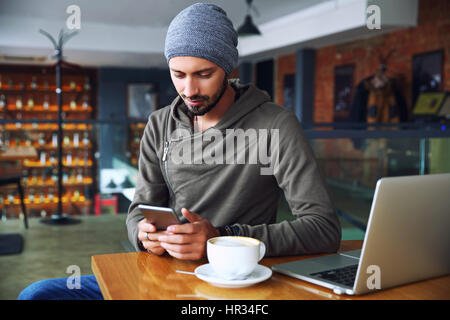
(33, 88)
(47, 127)
(51, 109)
(65, 148)
(47, 203)
(50, 165)
(49, 91)
(51, 184)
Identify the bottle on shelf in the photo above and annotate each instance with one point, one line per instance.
(33, 84)
(54, 140)
(65, 179)
(31, 196)
(10, 198)
(42, 197)
(41, 140)
(73, 104)
(86, 139)
(66, 141)
(80, 176)
(85, 103)
(73, 85)
(52, 158)
(30, 103)
(33, 177)
(43, 158)
(25, 177)
(69, 159)
(2, 102)
(51, 197)
(54, 177)
(76, 140)
(46, 103)
(76, 195)
(19, 103)
(87, 85)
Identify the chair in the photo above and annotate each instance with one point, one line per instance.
(13, 179)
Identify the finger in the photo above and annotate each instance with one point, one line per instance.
(182, 248)
(181, 238)
(183, 228)
(150, 236)
(153, 236)
(146, 226)
(191, 216)
(158, 251)
(142, 236)
(152, 245)
(185, 256)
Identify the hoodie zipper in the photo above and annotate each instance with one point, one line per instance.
(164, 159)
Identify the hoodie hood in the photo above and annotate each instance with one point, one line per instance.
(250, 98)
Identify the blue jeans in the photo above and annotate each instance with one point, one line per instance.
(57, 289)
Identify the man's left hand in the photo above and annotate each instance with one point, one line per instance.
(188, 241)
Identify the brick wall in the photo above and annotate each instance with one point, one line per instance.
(432, 33)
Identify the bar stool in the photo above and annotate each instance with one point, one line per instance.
(15, 179)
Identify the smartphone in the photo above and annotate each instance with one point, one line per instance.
(160, 217)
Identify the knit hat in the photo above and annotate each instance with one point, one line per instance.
(203, 30)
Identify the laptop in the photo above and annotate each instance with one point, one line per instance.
(407, 240)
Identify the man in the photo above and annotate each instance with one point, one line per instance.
(218, 198)
(224, 199)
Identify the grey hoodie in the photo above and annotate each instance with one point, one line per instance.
(175, 171)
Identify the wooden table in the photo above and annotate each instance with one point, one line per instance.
(141, 275)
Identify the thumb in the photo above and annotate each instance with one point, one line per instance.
(190, 215)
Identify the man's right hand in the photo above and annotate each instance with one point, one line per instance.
(149, 237)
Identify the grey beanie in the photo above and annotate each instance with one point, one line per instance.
(203, 30)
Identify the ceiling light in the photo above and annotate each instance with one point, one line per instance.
(248, 28)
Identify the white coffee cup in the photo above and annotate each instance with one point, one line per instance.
(233, 257)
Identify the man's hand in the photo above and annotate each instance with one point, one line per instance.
(149, 237)
(188, 241)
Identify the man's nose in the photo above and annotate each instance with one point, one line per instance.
(190, 89)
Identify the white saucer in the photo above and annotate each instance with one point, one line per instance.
(206, 273)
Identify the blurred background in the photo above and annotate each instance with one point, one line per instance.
(368, 80)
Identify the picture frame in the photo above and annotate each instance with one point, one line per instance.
(289, 91)
(429, 103)
(343, 92)
(427, 74)
(142, 100)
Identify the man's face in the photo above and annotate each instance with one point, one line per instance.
(199, 82)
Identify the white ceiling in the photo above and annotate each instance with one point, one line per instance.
(131, 33)
(148, 13)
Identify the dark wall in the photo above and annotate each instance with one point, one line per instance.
(112, 105)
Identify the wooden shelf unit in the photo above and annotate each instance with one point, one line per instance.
(29, 93)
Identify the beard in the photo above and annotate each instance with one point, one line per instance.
(204, 109)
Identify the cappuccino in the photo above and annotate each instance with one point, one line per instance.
(233, 243)
(234, 257)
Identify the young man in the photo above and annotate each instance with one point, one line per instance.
(226, 196)
(221, 198)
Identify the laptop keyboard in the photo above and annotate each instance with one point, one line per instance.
(345, 276)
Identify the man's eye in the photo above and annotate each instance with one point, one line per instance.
(205, 75)
(177, 75)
